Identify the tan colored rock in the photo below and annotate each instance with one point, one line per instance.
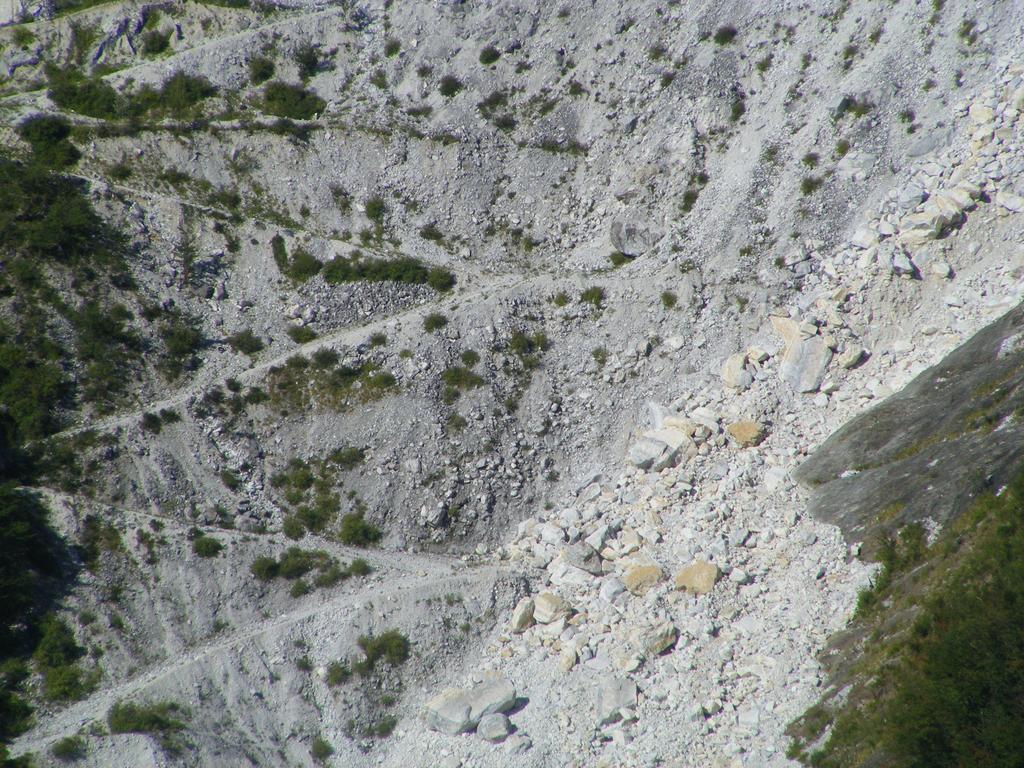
(567, 659)
(851, 356)
(656, 639)
(698, 577)
(734, 371)
(746, 433)
(522, 616)
(549, 607)
(787, 328)
(640, 578)
(981, 114)
(679, 423)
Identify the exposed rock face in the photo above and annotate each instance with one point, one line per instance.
(549, 607)
(614, 695)
(634, 236)
(457, 710)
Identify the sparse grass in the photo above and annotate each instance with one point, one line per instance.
(321, 749)
(669, 299)
(810, 184)
(390, 646)
(69, 749)
(392, 47)
(810, 160)
(842, 147)
(246, 342)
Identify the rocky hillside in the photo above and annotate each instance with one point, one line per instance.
(377, 373)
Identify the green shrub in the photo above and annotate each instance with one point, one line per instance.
(669, 299)
(810, 184)
(594, 296)
(68, 749)
(405, 269)
(435, 321)
(291, 101)
(470, 358)
(56, 656)
(392, 47)
(359, 567)
(338, 673)
(261, 69)
(301, 334)
(48, 137)
(724, 35)
(182, 339)
(264, 568)
(206, 546)
(155, 42)
(321, 749)
(391, 646)
(449, 86)
(458, 377)
(69, 89)
(489, 54)
(348, 457)
(307, 58)
(151, 422)
(356, 532)
(159, 719)
(178, 97)
(245, 341)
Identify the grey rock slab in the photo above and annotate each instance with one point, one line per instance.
(494, 727)
(804, 364)
(614, 695)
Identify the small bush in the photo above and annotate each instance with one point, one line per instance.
(261, 69)
(307, 59)
(338, 673)
(669, 299)
(301, 334)
(449, 86)
(206, 546)
(246, 342)
(321, 749)
(435, 321)
(489, 54)
(594, 296)
(724, 35)
(810, 160)
(264, 568)
(155, 42)
(68, 749)
(48, 137)
(375, 209)
(392, 47)
(391, 646)
(356, 532)
(157, 719)
(291, 101)
(810, 184)
(151, 422)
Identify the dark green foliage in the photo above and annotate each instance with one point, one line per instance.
(356, 532)
(390, 646)
(299, 267)
(725, 35)
(435, 321)
(245, 341)
(348, 457)
(338, 672)
(458, 377)
(48, 137)
(406, 269)
(155, 42)
(159, 719)
(31, 387)
(291, 101)
(97, 537)
(261, 69)
(946, 682)
(206, 546)
(56, 656)
(810, 184)
(617, 258)
(375, 209)
(30, 554)
(68, 749)
(392, 47)
(321, 749)
(593, 296)
(470, 358)
(264, 568)
(182, 339)
(489, 54)
(92, 96)
(301, 334)
(177, 97)
(151, 422)
(307, 58)
(450, 85)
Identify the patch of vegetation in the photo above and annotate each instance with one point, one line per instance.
(942, 680)
(296, 563)
(68, 749)
(392, 47)
(155, 42)
(56, 657)
(161, 720)
(450, 86)
(301, 334)
(298, 384)
(261, 69)
(299, 267)
(357, 532)
(810, 184)
(724, 35)
(48, 137)
(390, 646)
(69, 89)
(669, 299)
(307, 59)
(406, 269)
(594, 296)
(245, 341)
(321, 749)
(489, 54)
(433, 322)
(291, 101)
(205, 546)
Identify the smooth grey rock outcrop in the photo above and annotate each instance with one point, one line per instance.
(457, 710)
